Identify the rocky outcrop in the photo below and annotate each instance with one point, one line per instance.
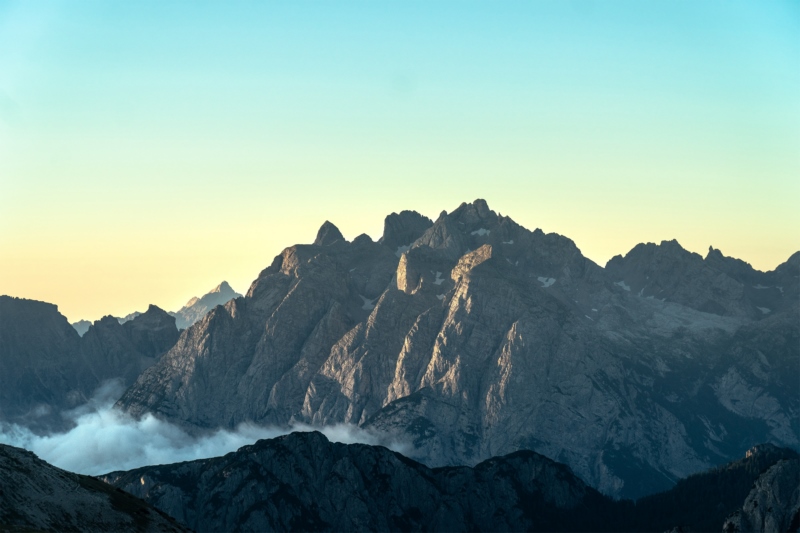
(47, 368)
(483, 338)
(197, 308)
(774, 502)
(36, 496)
(302, 482)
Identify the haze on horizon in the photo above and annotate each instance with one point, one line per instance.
(149, 151)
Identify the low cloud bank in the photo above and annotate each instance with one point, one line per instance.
(105, 439)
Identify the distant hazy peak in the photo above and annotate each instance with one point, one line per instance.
(328, 234)
(223, 288)
(196, 308)
(649, 250)
(81, 326)
(128, 317)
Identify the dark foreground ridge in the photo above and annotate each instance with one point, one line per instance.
(303, 482)
(36, 496)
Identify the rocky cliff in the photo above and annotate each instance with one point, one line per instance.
(36, 496)
(474, 337)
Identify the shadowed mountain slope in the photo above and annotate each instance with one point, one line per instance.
(46, 367)
(36, 496)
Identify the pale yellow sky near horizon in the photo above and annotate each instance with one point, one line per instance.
(86, 283)
(150, 150)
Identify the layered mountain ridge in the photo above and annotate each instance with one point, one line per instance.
(303, 482)
(471, 337)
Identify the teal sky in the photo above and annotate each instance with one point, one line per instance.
(149, 150)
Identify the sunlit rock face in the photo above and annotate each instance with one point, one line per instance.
(47, 368)
(37, 496)
(472, 336)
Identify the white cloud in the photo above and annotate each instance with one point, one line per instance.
(105, 439)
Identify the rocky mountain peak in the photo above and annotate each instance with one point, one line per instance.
(736, 268)
(109, 321)
(402, 229)
(475, 213)
(328, 234)
(222, 288)
(792, 265)
(196, 308)
(81, 326)
(153, 318)
(362, 239)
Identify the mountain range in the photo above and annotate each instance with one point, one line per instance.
(303, 482)
(471, 337)
(468, 337)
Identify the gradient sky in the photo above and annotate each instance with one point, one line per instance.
(149, 150)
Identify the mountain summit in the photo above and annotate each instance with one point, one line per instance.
(197, 308)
